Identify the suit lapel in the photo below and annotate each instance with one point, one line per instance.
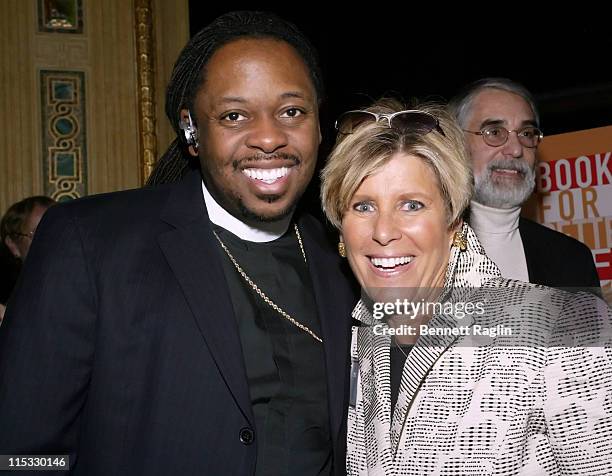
(375, 374)
(192, 254)
(332, 295)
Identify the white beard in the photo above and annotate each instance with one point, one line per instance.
(500, 193)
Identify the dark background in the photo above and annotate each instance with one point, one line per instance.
(564, 57)
(566, 61)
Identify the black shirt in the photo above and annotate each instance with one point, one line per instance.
(285, 366)
(398, 359)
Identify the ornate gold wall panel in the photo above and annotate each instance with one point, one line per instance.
(104, 57)
(64, 134)
(145, 64)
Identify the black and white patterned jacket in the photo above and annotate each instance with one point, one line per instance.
(537, 402)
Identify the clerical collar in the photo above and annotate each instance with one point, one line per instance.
(263, 233)
(493, 220)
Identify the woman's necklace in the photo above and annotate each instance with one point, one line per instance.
(266, 299)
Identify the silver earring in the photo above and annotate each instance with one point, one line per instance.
(190, 132)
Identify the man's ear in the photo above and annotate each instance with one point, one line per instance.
(189, 131)
(12, 246)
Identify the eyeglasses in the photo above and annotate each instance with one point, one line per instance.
(496, 136)
(409, 120)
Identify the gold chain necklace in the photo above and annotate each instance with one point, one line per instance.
(266, 299)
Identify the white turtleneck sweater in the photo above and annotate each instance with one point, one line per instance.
(498, 232)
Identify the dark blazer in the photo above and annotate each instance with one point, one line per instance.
(555, 259)
(120, 346)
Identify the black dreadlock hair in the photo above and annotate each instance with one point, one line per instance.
(190, 69)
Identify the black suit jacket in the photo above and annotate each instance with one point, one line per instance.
(555, 259)
(120, 346)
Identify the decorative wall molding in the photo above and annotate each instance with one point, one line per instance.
(63, 134)
(44, 144)
(145, 54)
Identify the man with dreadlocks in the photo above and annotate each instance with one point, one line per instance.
(193, 327)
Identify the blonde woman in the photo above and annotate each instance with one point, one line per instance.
(455, 370)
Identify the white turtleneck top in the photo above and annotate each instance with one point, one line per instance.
(498, 231)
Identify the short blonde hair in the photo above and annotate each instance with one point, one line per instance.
(371, 145)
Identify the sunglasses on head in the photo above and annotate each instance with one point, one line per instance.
(410, 120)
